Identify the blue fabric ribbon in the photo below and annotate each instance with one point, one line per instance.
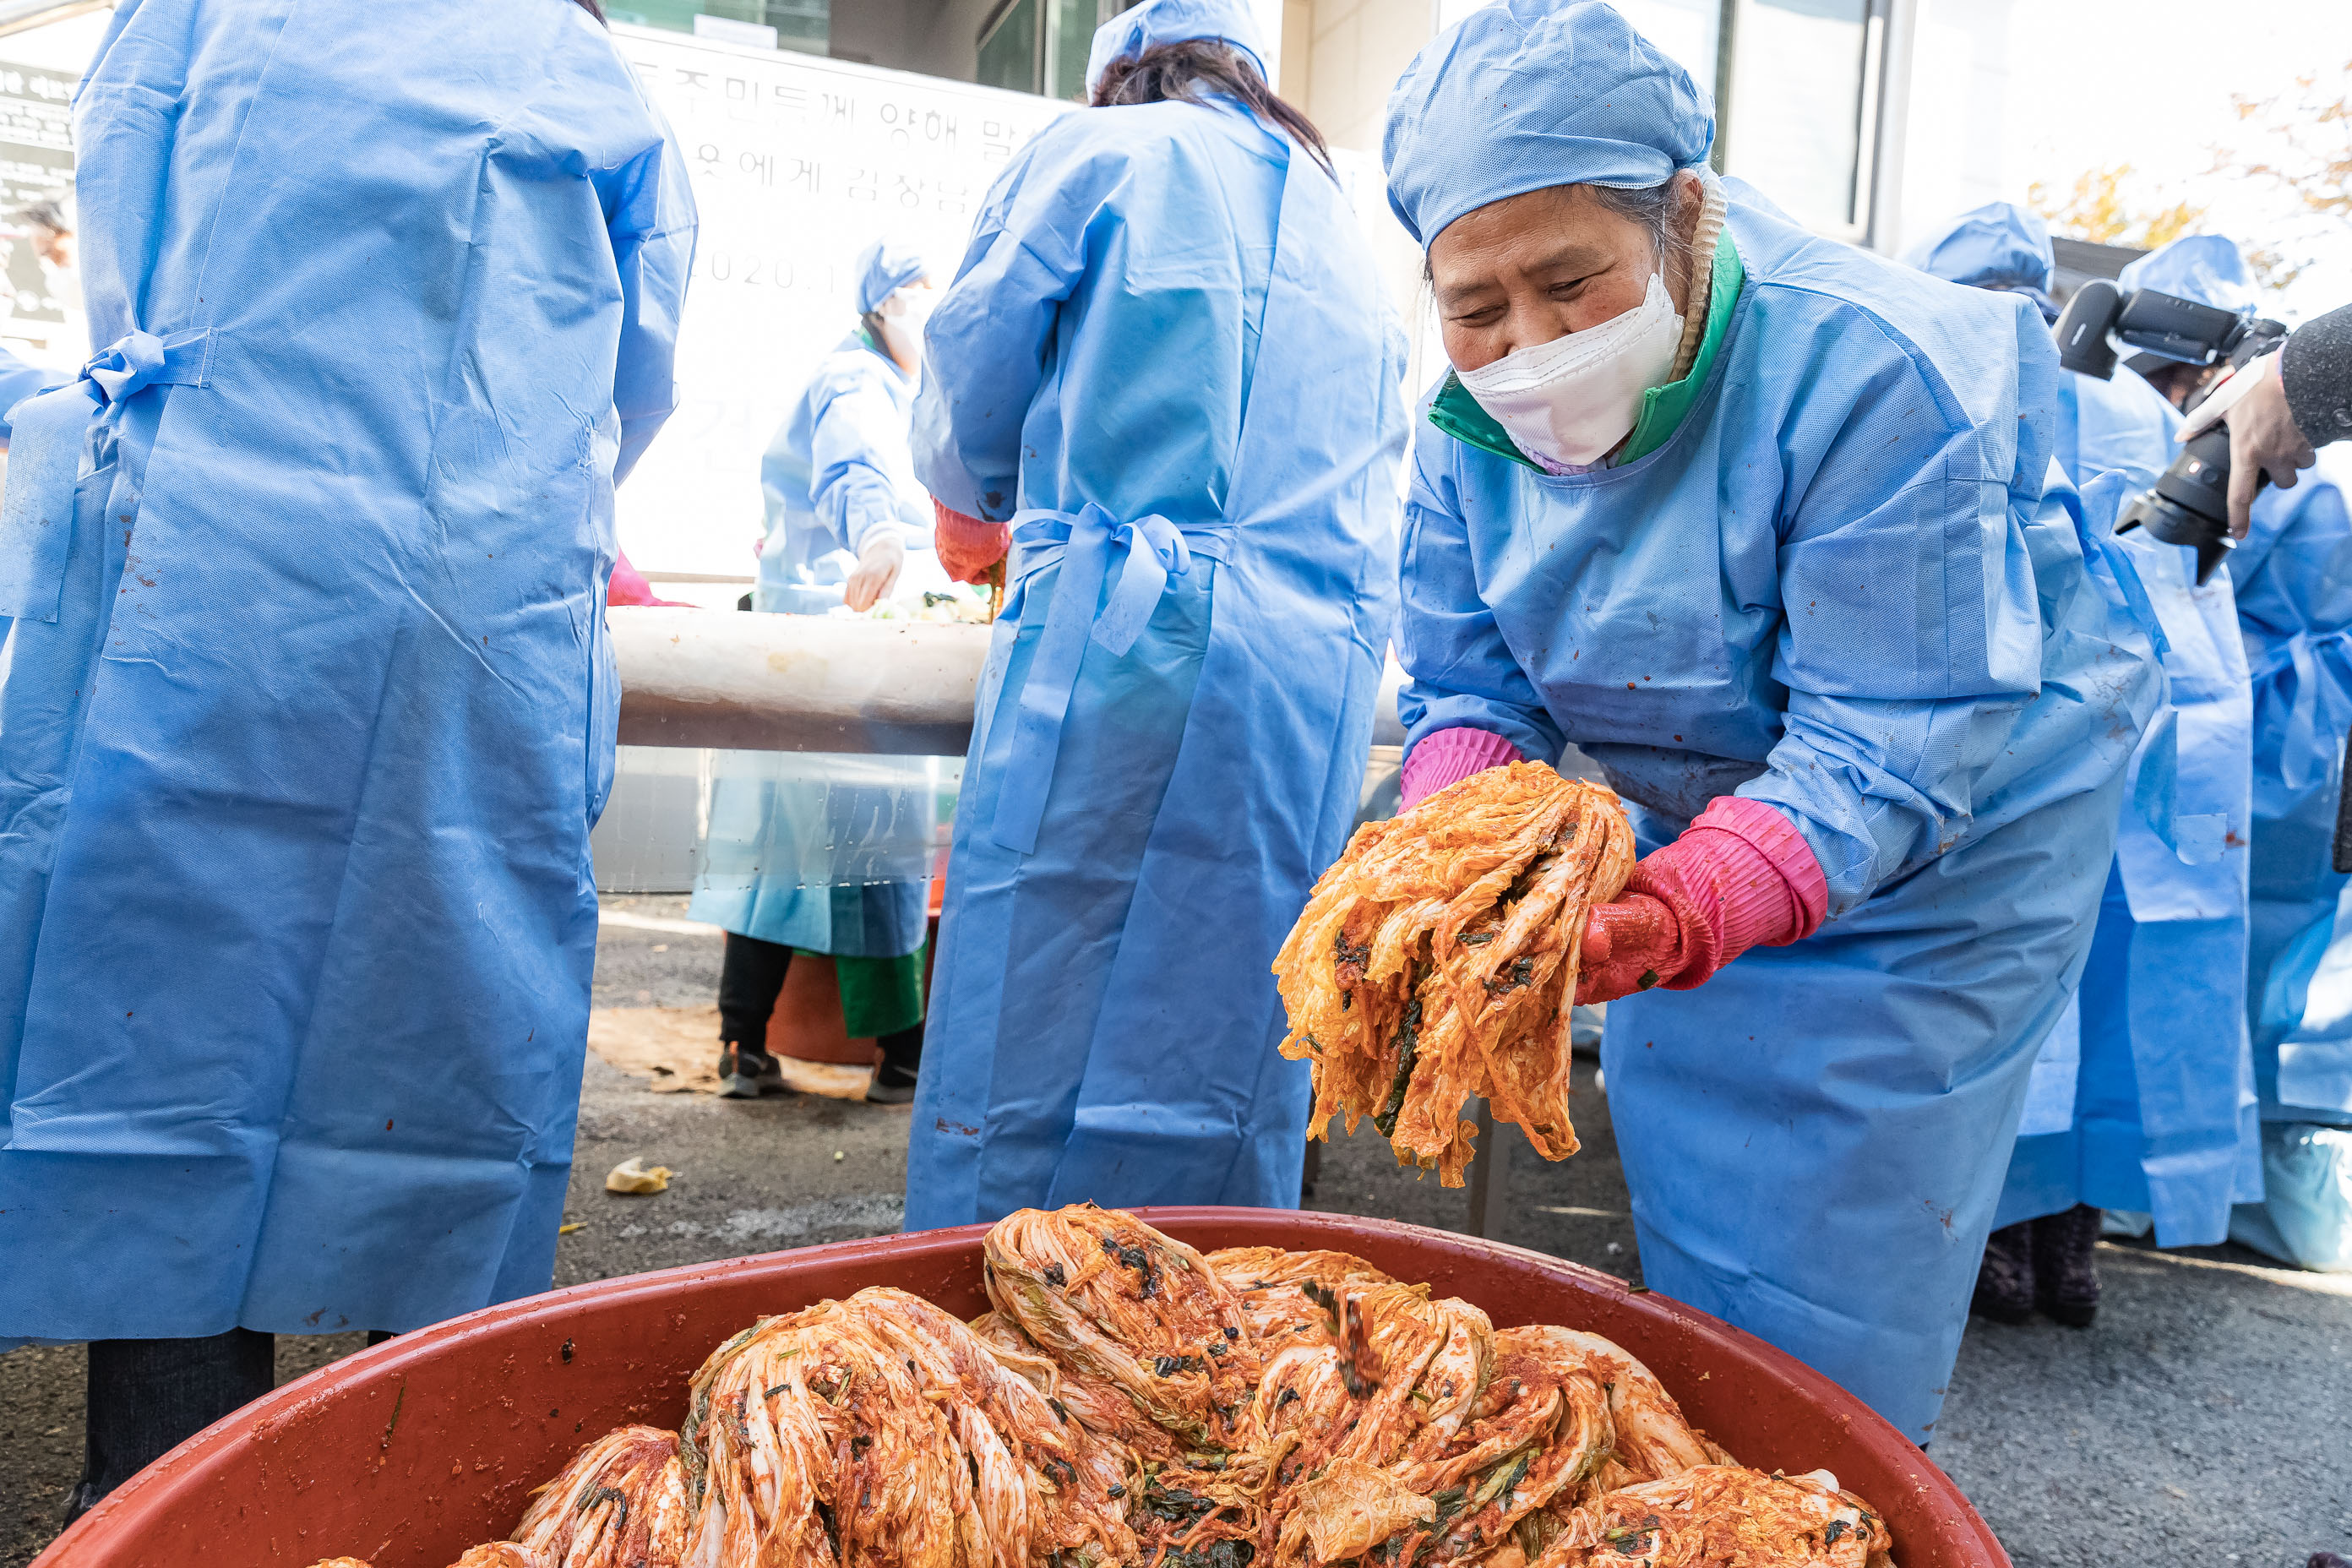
(2315, 711)
(45, 450)
(1157, 550)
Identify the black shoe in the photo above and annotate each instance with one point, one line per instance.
(746, 1074)
(86, 1496)
(890, 1086)
(2065, 1266)
(2327, 1560)
(2005, 1277)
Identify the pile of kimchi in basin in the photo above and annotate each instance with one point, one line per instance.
(1130, 1400)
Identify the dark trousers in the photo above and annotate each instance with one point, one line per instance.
(146, 1398)
(752, 976)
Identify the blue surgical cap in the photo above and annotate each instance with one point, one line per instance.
(884, 267)
(2205, 267)
(1531, 93)
(1998, 245)
(1174, 22)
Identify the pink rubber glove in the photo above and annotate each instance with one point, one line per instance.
(1741, 876)
(1449, 756)
(967, 546)
(629, 587)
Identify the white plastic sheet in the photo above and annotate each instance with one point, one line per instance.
(819, 820)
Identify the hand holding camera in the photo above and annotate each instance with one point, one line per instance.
(2264, 442)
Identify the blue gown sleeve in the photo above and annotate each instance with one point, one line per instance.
(1460, 670)
(2293, 579)
(1911, 636)
(849, 483)
(19, 381)
(987, 344)
(652, 227)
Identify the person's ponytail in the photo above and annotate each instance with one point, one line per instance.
(1193, 68)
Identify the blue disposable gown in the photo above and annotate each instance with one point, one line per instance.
(2293, 571)
(2159, 1115)
(305, 721)
(19, 381)
(1898, 646)
(837, 470)
(1167, 315)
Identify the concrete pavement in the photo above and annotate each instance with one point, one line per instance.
(2207, 1417)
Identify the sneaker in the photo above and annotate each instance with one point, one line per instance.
(2065, 1266)
(2005, 1279)
(746, 1074)
(890, 1087)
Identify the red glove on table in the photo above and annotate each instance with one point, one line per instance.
(967, 546)
(1741, 876)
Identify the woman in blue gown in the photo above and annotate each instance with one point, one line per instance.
(308, 706)
(1166, 374)
(815, 853)
(1768, 529)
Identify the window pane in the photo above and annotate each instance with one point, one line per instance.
(1796, 112)
(1683, 28)
(678, 14)
(1074, 35)
(799, 24)
(1008, 56)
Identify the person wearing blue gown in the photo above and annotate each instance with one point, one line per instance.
(846, 523)
(307, 703)
(1768, 527)
(1166, 375)
(2293, 572)
(19, 381)
(844, 511)
(2141, 1099)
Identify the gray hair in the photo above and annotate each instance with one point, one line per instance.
(1655, 208)
(1652, 206)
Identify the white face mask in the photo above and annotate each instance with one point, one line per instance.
(1570, 401)
(903, 315)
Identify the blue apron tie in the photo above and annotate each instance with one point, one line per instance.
(1082, 542)
(36, 518)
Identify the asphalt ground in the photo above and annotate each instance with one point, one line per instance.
(2206, 1417)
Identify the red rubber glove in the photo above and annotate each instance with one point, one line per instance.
(1741, 876)
(1449, 756)
(967, 546)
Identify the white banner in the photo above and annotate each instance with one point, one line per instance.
(798, 162)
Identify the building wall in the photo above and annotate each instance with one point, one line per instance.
(951, 39)
(1340, 58)
(1297, 36)
(899, 34)
(1355, 50)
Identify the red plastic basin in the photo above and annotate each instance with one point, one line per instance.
(408, 1453)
